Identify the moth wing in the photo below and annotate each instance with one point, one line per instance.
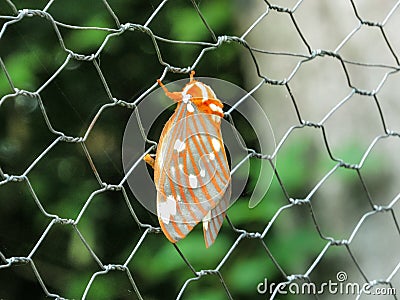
(193, 171)
(213, 222)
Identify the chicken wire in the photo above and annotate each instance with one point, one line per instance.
(372, 96)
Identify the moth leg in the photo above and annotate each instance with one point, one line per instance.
(176, 96)
(149, 160)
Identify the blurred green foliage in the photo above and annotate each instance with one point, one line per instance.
(63, 180)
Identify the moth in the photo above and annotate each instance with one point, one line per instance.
(191, 170)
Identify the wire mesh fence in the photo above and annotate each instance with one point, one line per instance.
(332, 209)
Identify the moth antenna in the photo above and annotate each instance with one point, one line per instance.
(176, 96)
(192, 76)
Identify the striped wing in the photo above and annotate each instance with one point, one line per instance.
(191, 174)
(213, 222)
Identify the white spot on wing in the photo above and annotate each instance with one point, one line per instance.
(192, 181)
(213, 107)
(171, 204)
(216, 144)
(163, 212)
(166, 209)
(179, 145)
(216, 108)
(190, 107)
(206, 220)
(211, 156)
(203, 173)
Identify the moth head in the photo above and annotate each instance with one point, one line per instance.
(203, 97)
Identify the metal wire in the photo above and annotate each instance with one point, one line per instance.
(218, 41)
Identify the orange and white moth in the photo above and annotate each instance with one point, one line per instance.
(191, 170)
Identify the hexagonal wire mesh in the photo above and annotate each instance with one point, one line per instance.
(342, 96)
